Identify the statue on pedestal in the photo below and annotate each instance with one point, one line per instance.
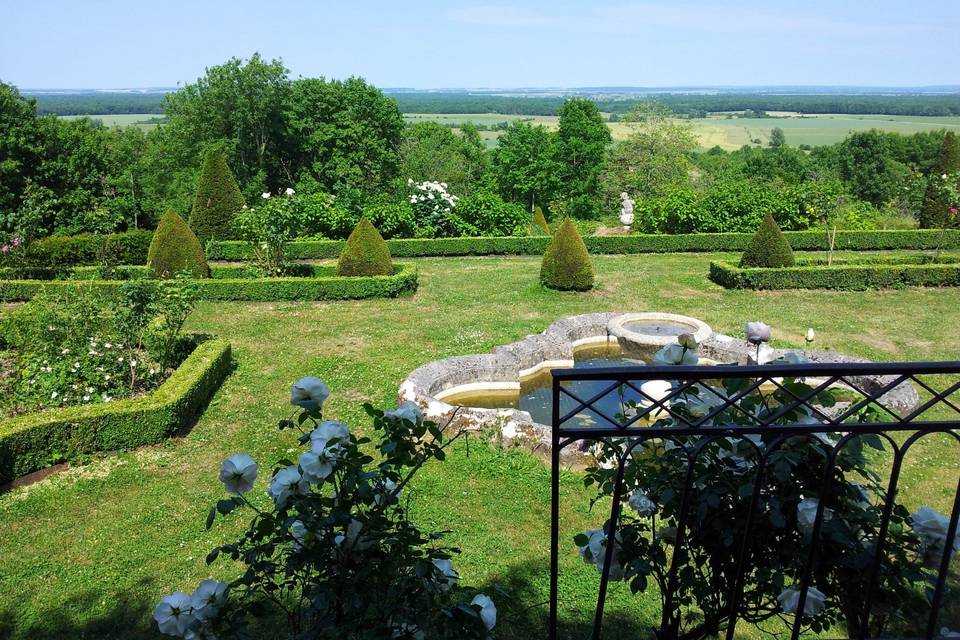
(626, 211)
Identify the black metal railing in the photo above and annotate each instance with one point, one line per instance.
(915, 399)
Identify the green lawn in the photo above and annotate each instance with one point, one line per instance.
(87, 552)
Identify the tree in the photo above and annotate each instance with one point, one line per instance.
(948, 160)
(583, 138)
(346, 134)
(365, 253)
(777, 138)
(175, 248)
(217, 201)
(653, 161)
(433, 152)
(768, 248)
(566, 264)
(867, 168)
(935, 209)
(525, 164)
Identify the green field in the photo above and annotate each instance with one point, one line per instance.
(732, 133)
(86, 553)
(140, 120)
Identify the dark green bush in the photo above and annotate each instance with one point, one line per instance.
(217, 201)
(393, 218)
(490, 215)
(175, 248)
(842, 275)
(131, 248)
(768, 247)
(35, 441)
(365, 254)
(566, 263)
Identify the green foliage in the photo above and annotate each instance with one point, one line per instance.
(566, 263)
(867, 166)
(525, 164)
(365, 254)
(582, 142)
(432, 152)
(393, 218)
(174, 248)
(64, 251)
(486, 212)
(270, 226)
(768, 248)
(948, 160)
(539, 225)
(217, 200)
(843, 275)
(34, 441)
(935, 210)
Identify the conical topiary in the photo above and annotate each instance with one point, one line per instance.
(934, 210)
(175, 248)
(217, 201)
(366, 253)
(566, 264)
(540, 222)
(768, 247)
(949, 159)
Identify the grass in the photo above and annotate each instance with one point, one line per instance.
(145, 121)
(88, 552)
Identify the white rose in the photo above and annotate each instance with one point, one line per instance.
(594, 552)
(238, 473)
(289, 191)
(317, 467)
(353, 538)
(757, 332)
(299, 532)
(386, 493)
(208, 598)
(326, 431)
(447, 573)
(640, 503)
(790, 598)
(406, 410)
(265, 195)
(286, 483)
(488, 610)
(807, 514)
(932, 528)
(687, 340)
(174, 614)
(674, 354)
(309, 393)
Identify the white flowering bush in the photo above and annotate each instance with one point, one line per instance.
(435, 211)
(276, 221)
(335, 554)
(721, 491)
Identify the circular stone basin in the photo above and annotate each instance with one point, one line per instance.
(656, 329)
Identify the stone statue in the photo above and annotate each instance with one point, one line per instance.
(626, 211)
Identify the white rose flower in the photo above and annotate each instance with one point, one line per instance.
(265, 195)
(286, 483)
(932, 528)
(289, 191)
(688, 341)
(208, 598)
(594, 552)
(757, 332)
(488, 610)
(406, 410)
(174, 614)
(317, 467)
(238, 473)
(946, 633)
(299, 532)
(790, 598)
(674, 354)
(807, 514)
(385, 494)
(642, 504)
(353, 538)
(309, 393)
(447, 573)
(325, 432)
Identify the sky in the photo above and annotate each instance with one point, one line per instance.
(117, 44)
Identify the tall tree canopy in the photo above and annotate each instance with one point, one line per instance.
(583, 139)
(525, 164)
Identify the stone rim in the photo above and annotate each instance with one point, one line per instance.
(617, 327)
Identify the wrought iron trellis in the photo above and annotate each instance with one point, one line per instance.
(871, 385)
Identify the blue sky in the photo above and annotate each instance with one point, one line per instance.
(107, 43)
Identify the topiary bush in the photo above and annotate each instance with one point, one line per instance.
(175, 248)
(366, 253)
(566, 263)
(217, 201)
(539, 226)
(769, 247)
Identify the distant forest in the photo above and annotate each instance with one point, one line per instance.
(684, 104)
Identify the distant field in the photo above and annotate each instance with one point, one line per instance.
(732, 133)
(140, 120)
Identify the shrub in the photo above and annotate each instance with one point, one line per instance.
(366, 253)
(394, 219)
(490, 215)
(269, 227)
(175, 248)
(339, 536)
(217, 201)
(842, 275)
(435, 211)
(768, 248)
(66, 251)
(566, 263)
(539, 225)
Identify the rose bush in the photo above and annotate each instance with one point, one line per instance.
(335, 555)
(724, 477)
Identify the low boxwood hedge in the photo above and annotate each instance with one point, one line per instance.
(680, 243)
(311, 282)
(874, 272)
(66, 251)
(35, 441)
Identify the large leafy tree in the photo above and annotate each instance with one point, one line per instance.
(868, 169)
(433, 152)
(525, 164)
(346, 134)
(22, 145)
(583, 138)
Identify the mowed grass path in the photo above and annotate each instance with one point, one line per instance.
(88, 552)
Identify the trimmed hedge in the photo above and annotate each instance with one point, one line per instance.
(175, 248)
(768, 247)
(217, 201)
(238, 283)
(882, 272)
(566, 264)
(35, 441)
(365, 254)
(598, 245)
(81, 249)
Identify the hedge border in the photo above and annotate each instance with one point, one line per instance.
(597, 245)
(403, 281)
(843, 275)
(30, 442)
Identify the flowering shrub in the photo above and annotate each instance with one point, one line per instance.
(724, 473)
(434, 210)
(335, 555)
(270, 226)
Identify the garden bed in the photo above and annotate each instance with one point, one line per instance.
(38, 440)
(306, 282)
(849, 274)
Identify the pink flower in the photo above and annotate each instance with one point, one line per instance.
(953, 210)
(16, 241)
(6, 248)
